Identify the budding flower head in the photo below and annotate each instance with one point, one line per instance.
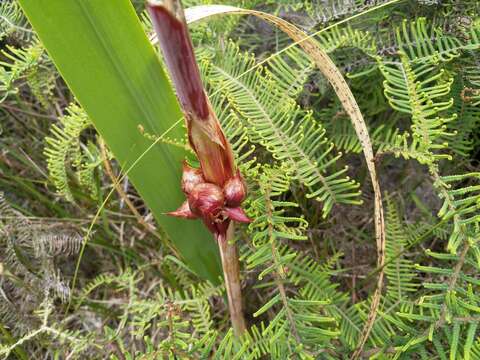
(216, 190)
(215, 205)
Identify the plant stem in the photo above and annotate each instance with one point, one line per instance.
(204, 131)
(231, 273)
(205, 135)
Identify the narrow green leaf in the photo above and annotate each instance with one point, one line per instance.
(472, 328)
(107, 61)
(455, 340)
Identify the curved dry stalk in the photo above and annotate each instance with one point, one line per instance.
(335, 78)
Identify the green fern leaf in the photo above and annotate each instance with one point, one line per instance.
(64, 149)
(289, 133)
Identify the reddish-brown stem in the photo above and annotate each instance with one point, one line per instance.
(204, 131)
(174, 39)
(217, 200)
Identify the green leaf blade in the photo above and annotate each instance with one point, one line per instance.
(107, 61)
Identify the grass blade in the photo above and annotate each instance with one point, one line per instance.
(107, 61)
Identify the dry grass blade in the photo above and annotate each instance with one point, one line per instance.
(333, 75)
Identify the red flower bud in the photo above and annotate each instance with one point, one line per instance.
(190, 178)
(206, 200)
(235, 191)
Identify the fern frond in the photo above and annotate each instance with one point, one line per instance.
(335, 9)
(30, 66)
(289, 133)
(421, 91)
(12, 21)
(461, 204)
(467, 108)
(64, 149)
(282, 267)
(400, 271)
(30, 276)
(290, 71)
(59, 242)
(270, 221)
(16, 235)
(347, 37)
(421, 42)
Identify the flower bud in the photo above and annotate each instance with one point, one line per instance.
(235, 191)
(206, 200)
(190, 178)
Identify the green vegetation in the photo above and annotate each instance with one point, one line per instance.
(92, 144)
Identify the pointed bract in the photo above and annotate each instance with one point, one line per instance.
(237, 214)
(183, 212)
